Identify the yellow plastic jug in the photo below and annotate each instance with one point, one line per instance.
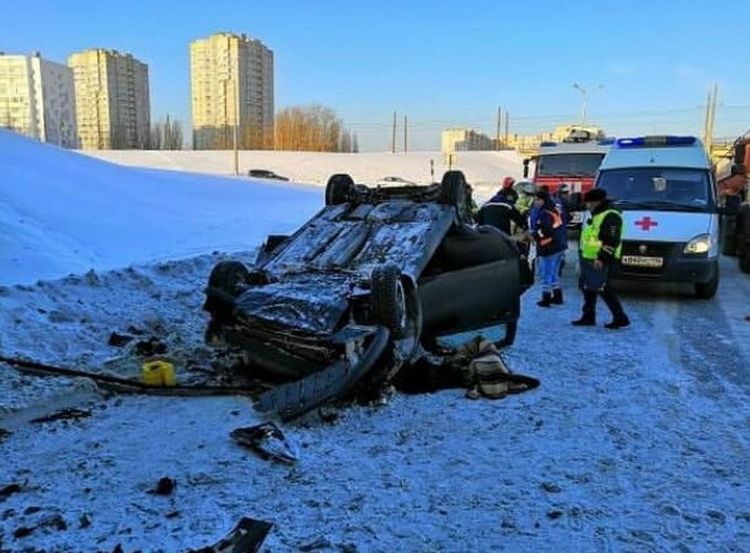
(158, 373)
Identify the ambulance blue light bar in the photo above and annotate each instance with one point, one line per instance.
(547, 144)
(606, 142)
(651, 141)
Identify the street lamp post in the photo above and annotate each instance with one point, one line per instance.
(584, 100)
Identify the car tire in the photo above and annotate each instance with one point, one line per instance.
(339, 189)
(707, 290)
(454, 191)
(729, 237)
(389, 300)
(226, 281)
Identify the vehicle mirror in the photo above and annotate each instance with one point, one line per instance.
(732, 204)
(738, 169)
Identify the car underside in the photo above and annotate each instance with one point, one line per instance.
(369, 284)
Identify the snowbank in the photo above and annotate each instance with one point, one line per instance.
(62, 212)
(483, 169)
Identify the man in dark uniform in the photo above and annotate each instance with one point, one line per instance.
(601, 250)
(500, 210)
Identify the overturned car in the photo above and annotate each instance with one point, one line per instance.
(368, 285)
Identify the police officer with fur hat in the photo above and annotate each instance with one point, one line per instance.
(600, 252)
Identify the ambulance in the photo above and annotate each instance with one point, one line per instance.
(666, 191)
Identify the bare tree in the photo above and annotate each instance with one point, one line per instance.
(355, 143)
(312, 128)
(166, 135)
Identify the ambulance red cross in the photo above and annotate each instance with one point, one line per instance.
(667, 194)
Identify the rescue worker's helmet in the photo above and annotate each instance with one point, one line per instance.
(508, 182)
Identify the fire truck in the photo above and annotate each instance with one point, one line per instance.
(574, 162)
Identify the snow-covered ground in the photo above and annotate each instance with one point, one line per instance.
(61, 212)
(484, 170)
(637, 440)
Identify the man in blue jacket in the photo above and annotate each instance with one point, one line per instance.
(551, 240)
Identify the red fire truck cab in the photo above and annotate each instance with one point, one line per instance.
(574, 164)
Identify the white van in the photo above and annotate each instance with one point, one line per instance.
(666, 191)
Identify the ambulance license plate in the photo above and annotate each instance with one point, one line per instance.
(643, 261)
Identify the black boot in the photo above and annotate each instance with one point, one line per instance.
(619, 318)
(546, 300)
(589, 310)
(557, 296)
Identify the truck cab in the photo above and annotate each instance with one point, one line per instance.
(571, 163)
(665, 188)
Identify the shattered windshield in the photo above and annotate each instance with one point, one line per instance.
(577, 165)
(658, 188)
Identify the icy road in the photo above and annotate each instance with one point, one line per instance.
(637, 440)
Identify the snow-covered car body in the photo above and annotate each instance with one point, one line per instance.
(380, 272)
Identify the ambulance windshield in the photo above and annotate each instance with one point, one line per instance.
(655, 188)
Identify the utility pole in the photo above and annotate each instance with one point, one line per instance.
(499, 124)
(406, 134)
(713, 96)
(393, 136)
(584, 100)
(507, 122)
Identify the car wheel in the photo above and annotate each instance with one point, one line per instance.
(339, 189)
(389, 300)
(226, 282)
(707, 290)
(454, 191)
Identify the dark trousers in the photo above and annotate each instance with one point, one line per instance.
(596, 282)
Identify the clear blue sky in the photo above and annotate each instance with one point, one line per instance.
(441, 63)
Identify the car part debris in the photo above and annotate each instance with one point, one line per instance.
(123, 385)
(165, 486)
(151, 347)
(119, 340)
(268, 441)
(404, 259)
(65, 414)
(246, 537)
(9, 490)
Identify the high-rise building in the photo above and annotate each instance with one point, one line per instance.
(232, 84)
(112, 100)
(37, 99)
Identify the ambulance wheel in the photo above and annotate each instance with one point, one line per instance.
(339, 189)
(707, 290)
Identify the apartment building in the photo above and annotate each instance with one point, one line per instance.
(459, 140)
(37, 99)
(113, 107)
(232, 85)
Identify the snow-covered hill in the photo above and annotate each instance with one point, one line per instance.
(483, 169)
(61, 212)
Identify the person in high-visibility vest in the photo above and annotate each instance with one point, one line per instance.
(600, 251)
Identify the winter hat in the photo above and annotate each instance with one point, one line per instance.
(595, 195)
(542, 195)
(508, 182)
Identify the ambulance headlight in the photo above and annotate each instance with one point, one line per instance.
(699, 244)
